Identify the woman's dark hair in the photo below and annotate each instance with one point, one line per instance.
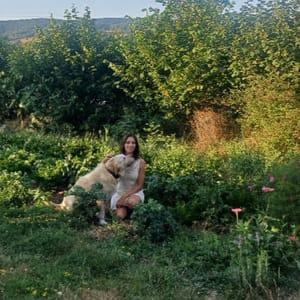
(136, 152)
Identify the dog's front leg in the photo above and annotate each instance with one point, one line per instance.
(101, 213)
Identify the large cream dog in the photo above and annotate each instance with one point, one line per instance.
(106, 173)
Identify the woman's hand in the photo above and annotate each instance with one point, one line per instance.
(122, 201)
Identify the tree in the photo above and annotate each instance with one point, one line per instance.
(65, 77)
(7, 85)
(177, 60)
(266, 41)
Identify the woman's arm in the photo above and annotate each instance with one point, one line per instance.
(139, 182)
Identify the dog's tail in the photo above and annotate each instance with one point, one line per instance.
(56, 206)
(49, 203)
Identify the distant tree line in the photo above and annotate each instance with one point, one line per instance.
(19, 30)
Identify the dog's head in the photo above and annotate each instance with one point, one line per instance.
(118, 163)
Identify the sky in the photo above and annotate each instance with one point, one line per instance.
(27, 9)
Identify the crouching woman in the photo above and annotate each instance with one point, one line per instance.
(129, 190)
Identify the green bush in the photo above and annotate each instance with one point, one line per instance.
(15, 189)
(269, 116)
(169, 68)
(262, 254)
(169, 190)
(152, 220)
(63, 79)
(8, 88)
(204, 187)
(85, 209)
(265, 42)
(51, 161)
(174, 159)
(284, 201)
(205, 205)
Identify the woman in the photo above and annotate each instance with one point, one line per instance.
(129, 191)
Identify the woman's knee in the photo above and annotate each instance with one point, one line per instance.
(132, 201)
(121, 212)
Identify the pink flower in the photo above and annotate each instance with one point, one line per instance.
(292, 238)
(236, 210)
(271, 178)
(267, 189)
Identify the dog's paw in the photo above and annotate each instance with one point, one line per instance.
(102, 223)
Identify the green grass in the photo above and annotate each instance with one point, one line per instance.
(41, 256)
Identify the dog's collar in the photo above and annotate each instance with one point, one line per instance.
(116, 176)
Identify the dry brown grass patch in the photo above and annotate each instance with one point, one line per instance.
(210, 127)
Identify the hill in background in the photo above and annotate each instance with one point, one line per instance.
(17, 30)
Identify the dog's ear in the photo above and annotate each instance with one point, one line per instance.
(113, 165)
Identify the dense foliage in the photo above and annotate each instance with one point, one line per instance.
(193, 53)
(7, 87)
(257, 253)
(152, 220)
(269, 110)
(190, 55)
(177, 59)
(197, 187)
(85, 208)
(266, 41)
(284, 203)
(227, 217)
(63, 77)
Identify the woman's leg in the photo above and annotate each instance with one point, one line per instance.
(132, 201)
(129, 203)
(121, 212)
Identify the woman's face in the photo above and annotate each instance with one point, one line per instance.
(129, 145)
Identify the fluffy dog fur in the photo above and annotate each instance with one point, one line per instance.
(103, 174)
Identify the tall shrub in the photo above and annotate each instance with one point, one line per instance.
(7, 85)
(266, 41)
(64, 76)
(284, 201)
(269, 119)
(176, 60)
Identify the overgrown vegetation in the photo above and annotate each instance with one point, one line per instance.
(218, 255)
(213, 95)
(72, 77)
